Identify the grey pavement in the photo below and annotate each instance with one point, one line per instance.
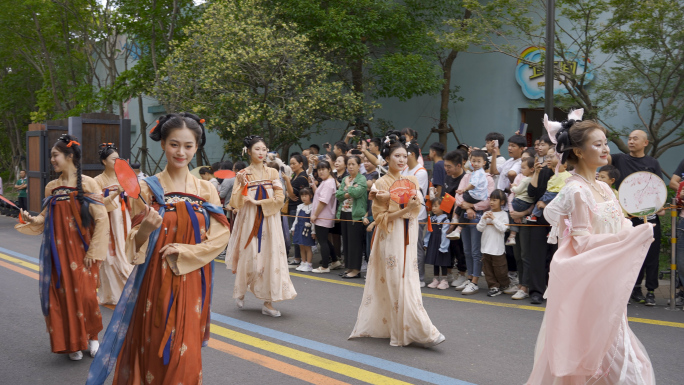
(486, 343)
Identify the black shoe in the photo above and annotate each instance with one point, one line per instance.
(650, 299)
(536, 299)
(637, 296)
(347, 276)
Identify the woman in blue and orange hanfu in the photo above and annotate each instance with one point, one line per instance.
(256, 252)
(75, 232)
(162, 319)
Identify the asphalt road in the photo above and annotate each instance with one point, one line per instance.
(489, 340)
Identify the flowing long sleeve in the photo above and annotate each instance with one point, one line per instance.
(138, 208)
(237, 200)
(272, 205)
(99, 240)
(215, 240)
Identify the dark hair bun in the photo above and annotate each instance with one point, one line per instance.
(169, 122)
(251, 140)
(563, 142)
(156, 131)
(391, 141)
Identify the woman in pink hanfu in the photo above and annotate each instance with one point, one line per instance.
(585, 338)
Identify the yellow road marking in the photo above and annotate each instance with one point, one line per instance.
(20, 262)
(489, 303)
(307, 358)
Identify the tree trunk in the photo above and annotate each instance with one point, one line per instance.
(443, 127)
(143, 133)
(357, 86)
(50, 64)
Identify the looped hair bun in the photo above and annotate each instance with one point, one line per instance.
(251, 140)
(563, 142)
(105, 147)
(391, 140)
(170, 122)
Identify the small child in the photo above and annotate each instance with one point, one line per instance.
(556, 183)
(608, 174)
(476, 191)
(303, 231)
(437, 244)
(493, 227)
(519, 200)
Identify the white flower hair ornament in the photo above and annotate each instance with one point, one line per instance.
(244, 150)
(387, 139)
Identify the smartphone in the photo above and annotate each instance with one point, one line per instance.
(356, 152)
(496, 143)
(282, 168)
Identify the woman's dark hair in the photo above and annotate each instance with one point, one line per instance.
(239, 165)
(410, 131)
(529, 162)
(68, 145)
(105, 150)
(251, 140)
(305, 191)
(572, 135)
(323, 164)
(168, 123)
(391, 142)
(355, 157)
(205, 170)
(498, 194)
(301, 159)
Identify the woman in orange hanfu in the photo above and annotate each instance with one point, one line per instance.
(115, 269)
(75, 231)
(392, 305)
(256, 252)
(162, 320)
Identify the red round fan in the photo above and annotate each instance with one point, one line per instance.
(128, 179)
(224, 174)
(402, 190)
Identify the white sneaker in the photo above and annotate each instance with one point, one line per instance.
(511, 289)
(460, 280)
(471, 288)
(520, 295)
(510, 241)
(301, 267)
(336, 265)
(454, 235)
(513, 276)
(320, 270)
(463, 285)
(422, 283)
(434, 283)
(76, 356)
(443, 285)
(93, 347)
(307, 267)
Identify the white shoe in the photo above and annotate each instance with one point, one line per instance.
(520, 295)
(471, 288)
(240, 302)
(301, 267)
(320, 270)
(434, 283)
(436, 342)
(336, 265)
(510, 242)
(513, 276)
(422, 283)
(93, 347)
(443, 285)
(460, 280)
(463, 285)
(76, 356)
(511, 289)
(307, 267)
(269, 312)
(454, 235)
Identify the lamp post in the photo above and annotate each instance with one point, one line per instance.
(548, 64)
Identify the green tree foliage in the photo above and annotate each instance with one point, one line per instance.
(251, 73)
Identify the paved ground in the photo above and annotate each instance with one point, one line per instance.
(489, 341)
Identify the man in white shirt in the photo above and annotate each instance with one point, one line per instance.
(511, 168)
(415, 169)
(493, 141)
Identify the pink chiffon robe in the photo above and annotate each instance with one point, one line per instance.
(585, 337)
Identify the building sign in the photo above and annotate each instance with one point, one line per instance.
(532, 79)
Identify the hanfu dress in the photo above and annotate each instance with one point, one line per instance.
(256, 252)
(162, 319)
(115, 269)
(585, 338)
(392, 304)
(67, 286)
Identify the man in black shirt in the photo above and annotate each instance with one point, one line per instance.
(453, 167)
(627, 164)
